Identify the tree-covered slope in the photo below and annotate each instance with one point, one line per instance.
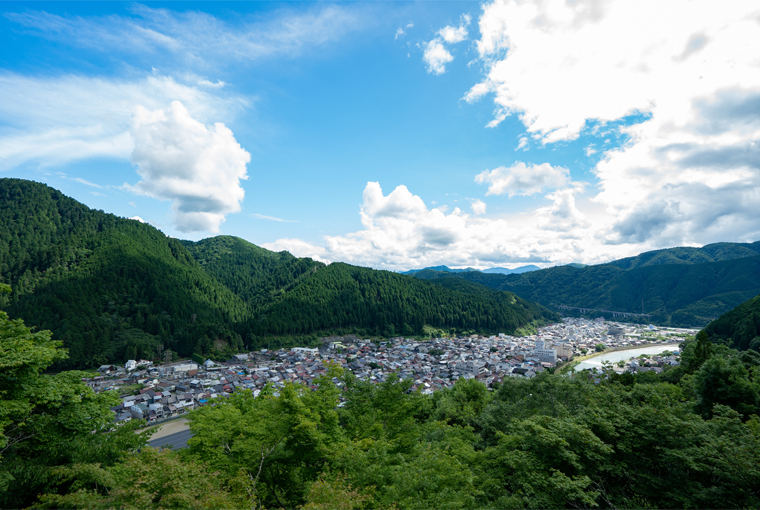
(739, 328)
(675, 294)
(114, 289)
(257, 275)
(716, 252)
(350, 297)
(108, 287)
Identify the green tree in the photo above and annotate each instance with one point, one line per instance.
(49, 420)
(151, 479)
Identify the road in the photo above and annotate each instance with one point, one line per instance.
(177, 440)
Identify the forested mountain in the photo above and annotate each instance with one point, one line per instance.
(350, 297)
(113, 288)
(108, 287)
(255, 274)
(716, 252)
(678, 294)
(739, 328)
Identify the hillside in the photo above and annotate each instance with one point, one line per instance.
(678, 294)
(255, 274)
(109, 287)
(716, 252)
(341, 296)
(739, 328)
(113, 288)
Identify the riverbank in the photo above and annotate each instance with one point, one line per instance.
(569, 367)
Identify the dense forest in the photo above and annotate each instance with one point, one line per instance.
(114, 289)
(687, 438)
(687, 291)
(739, 328)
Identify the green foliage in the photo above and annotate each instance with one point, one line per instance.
(149, 479)
(600, 347)
(739, 327)
(48, 421)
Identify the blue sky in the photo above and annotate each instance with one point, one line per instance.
(394, 135)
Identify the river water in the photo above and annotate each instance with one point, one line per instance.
(625, 355)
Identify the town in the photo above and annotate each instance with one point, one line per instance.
(170, 390)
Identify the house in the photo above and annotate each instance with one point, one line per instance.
(139, 411)
(130, 365)
(106, 369)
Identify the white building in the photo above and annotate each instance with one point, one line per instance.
(130, 365)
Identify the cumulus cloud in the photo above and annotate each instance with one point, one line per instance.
(196, 167)
(689, 170)
(563, 215)
(453, 35)
(478, 206)
(436, 55)
(400, 232)
(522, 179)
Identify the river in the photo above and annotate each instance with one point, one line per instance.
(625, 355)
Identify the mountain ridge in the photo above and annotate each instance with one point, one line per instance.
(113, 288)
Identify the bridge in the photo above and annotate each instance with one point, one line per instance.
(615, 314)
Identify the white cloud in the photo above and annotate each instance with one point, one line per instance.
(400, 232)
(690, 170)
(563, 215)
(523, 145)
(401, 31)
(137, 218)
(54, 120)
(436, 56)
(214, 85)
(522, 179)
(196, 38)
(478, 206)
(453, 35)
(298, 248)
(197, 167)
(271, 218)
(86, 182)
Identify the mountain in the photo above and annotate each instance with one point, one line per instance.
(739, 328)
(493, 270)
(445, 269)
(109, 287)
(517, 270)
(685, 293)
(113, 288)
(684, 255)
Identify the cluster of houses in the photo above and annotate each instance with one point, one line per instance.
(172, 389)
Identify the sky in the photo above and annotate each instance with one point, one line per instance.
(396, 135)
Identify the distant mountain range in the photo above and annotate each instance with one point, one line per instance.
(677, 286)
(493, 270)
